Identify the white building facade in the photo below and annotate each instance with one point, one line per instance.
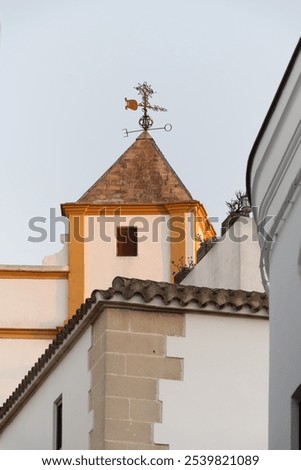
(232, 261)
(112, 372)
(126, 364)
(274, 184)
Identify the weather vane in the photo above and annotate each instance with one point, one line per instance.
(145, 121)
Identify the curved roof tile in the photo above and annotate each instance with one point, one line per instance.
(148, 290)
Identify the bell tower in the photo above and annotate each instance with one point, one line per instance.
(138, 220)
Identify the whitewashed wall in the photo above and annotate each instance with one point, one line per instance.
(285, 302)
(33, 426)
(233, 262)
(33, 303)
(275, 190)
(152, 262)
(61, 258)
(222, 402)
(17, 356)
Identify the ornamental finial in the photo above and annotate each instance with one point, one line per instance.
(146, 92)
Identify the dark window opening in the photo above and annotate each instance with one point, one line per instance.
(127, 244)
(58, 423)
(296, 420)
(299, 440)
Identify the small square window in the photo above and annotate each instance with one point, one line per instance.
(127, 244)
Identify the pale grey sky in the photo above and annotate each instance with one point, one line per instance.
(66, 66)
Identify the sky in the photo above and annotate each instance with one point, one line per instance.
(67, 65)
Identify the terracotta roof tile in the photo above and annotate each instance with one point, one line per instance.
(202, 296)
(148, 290)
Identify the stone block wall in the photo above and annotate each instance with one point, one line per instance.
(127, 359)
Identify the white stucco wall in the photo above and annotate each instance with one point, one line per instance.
(222, 402)
(33, 303)
(285, 302)
(152, 262)
(33, 426)
(61, 258)
(272, 169)
(233, 262)
(17, 356)
(275, 190)
(277, 158)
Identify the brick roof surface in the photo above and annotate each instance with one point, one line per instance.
(141, 175)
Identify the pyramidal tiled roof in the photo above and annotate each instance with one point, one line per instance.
(141, 175)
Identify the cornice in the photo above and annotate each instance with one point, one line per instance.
(38, 274)
(29, 333)
(128, 209)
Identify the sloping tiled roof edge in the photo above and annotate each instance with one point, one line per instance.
(148, 290)
(46, 356)
(184, 295)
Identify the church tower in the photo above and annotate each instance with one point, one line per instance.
(138, 220)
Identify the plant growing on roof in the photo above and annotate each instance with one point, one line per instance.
(181, 265)
(239, 204)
